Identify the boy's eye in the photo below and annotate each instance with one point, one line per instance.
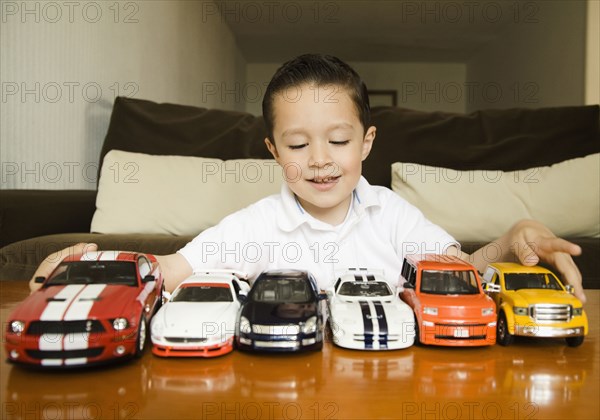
(340, 142)
(296, 146)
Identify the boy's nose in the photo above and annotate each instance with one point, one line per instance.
(319, 157)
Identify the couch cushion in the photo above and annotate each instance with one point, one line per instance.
(177, 195)
(142, 126)
(483, 205)
(507, 140)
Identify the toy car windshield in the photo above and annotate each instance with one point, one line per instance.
(94, 272)
(366, 289)
(203, 294)
(516, 281)
(281, 290)
(448, 282)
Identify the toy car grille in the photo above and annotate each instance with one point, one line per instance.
(65, 354)
(372, 337)
(550, 313)
(276, 329)
(186, 339)
(65, 327)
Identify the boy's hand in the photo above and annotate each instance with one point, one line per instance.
(51, 261)
(532, 241)
(529, 242)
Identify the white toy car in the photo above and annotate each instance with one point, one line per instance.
(199, 319)
(365, 314)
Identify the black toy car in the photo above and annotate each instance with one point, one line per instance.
(282, 313)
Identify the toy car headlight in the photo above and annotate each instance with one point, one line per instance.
(520, 311)
(310, 326)
(487, 311)
(245, 326)
(17, 327)
(120, 324)
(430, 311)
(577, 311)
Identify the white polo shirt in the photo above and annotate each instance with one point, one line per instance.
(276, 232)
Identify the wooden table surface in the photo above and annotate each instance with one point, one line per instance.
(532, 379)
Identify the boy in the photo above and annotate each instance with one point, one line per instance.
(327, 216)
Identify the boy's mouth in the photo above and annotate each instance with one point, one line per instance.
(325, 180)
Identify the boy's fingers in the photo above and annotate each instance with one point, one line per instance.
(527, 254)
(51, 261)
(570, 274)
(555, 244)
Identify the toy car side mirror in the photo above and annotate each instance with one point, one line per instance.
(242, 298)
(167, 295)
(322, 296)
(148, 278)
(39, 279)
(490, 287)
(570, 289)
(408, 285)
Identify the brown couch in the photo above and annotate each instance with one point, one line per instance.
(34, 223)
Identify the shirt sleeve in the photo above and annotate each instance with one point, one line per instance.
(412, 232)
(236, 243)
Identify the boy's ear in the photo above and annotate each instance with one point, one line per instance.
(272, 148)
(368, 141)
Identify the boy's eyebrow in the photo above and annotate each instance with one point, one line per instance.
(302, 131)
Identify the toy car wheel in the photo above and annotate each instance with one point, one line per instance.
(417, 332)
(319, 346)
(163, 298)
(503, 337)
(575, 341)
(140, 343)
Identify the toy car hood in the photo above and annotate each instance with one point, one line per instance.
(395, 312)
(283, 313)
(77, 301)
(526, 297)
(194, 318)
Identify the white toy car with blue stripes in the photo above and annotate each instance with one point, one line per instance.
(366, 314)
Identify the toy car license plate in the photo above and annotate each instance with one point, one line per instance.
(461, 332)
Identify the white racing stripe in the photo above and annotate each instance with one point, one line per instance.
(79, 300)
(109, 256)
(51, 362)
(55, 310)
(51, 342)
(76, 361)
(80, 309)
(76, 341)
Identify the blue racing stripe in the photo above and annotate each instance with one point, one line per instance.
(368, 323)
(383, 326)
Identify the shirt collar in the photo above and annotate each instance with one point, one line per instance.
(291, 215)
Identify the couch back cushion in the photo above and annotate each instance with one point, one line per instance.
(507, 140)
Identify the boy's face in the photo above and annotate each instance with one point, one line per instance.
(320, 143)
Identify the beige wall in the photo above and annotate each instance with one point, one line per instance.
(61, 67)
(422, 86)
(538, 61)
(592, 64)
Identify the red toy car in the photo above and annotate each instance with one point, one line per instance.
(93, 308)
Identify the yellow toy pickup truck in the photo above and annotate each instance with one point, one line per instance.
(531, 301)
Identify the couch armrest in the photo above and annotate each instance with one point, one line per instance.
(29, 213)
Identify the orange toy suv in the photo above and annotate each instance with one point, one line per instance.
(450, 306)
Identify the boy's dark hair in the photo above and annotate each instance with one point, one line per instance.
(321, 70)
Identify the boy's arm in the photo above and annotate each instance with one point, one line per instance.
(528, 242)
(174, 267)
